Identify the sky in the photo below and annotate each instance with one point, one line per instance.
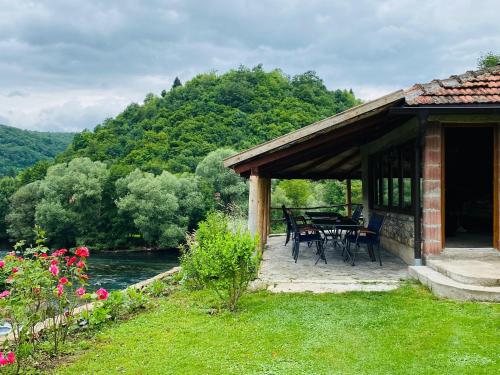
(67, 65)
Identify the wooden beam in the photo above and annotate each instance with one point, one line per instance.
(258, 207)
(312, 143)
(344, 160)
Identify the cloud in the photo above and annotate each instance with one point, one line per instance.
(81, 64)
(16, 93)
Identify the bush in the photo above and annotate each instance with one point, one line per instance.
(38, 287)
(220, 258)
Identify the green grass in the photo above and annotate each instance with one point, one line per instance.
(406, 331)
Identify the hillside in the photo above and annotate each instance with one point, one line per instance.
(100, 194)
(20, 149)
(237, 109)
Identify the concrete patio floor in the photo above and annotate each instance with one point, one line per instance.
(279, 273)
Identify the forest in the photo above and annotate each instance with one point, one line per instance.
(145, 177)
(20, 149)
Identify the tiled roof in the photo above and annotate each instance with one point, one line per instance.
(482, 86)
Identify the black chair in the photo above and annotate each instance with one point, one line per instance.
(306, 234)
(289, 229)
(370, 236)
(357, 213)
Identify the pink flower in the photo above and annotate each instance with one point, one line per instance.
(63, 280)
(4, 294)
(44, 255)
(82, 252)
(60, 290)
(9, 279)
(2, 263)
(15, 269)
(71, 261)
(80, 292)
(54, 270)
(80, 264)
(102, 294)
(54, 262)
(59, 252)
(11, 357)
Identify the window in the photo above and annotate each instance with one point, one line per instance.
(391, 181)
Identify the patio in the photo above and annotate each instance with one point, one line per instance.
(279, 273)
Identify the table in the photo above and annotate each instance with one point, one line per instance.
(322, 215)
(335, 226)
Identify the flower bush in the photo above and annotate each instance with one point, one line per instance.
(42, 287)
(220, 258)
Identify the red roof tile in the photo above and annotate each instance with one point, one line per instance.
(482, 86)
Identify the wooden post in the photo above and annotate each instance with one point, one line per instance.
(259, 206)
(348, 197)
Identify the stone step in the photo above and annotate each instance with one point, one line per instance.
(468, 271)
(443, 286)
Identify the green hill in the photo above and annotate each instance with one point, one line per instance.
(237, 109)
(20, 149)
(105, 202)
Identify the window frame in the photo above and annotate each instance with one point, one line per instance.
(376, 177)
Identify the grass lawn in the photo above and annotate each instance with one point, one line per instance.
(406, 331)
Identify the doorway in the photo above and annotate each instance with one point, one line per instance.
(469, 156)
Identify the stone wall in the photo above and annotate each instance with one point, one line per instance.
(398, 227)
(397, 235)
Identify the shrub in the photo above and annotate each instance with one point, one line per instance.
(137, 300)
(221, 258)
(42, 287)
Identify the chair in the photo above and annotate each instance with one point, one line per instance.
(289, 229)
(370, 236)
(305, 234)
(357, 213)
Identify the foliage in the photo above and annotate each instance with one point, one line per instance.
(71, 194)
(161, 207)
(179, 132)
(403, 331)
(221, 259)
(62, 202)
(237, 109)
(21, 216)
(42, 288)
(221, 186)
(8, 187)
(23, 148)
(488, 60)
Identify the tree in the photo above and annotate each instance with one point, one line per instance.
(21, 216)
(8, 187)
(297, 191)
(70, 209)
(160, 206)
(177, 83)
(221, 186)
(488, 60)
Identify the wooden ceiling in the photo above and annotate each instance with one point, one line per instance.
(326, 155)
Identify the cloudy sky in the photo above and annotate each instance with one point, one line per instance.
(67, 65)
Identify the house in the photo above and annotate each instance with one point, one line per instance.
(428, 158)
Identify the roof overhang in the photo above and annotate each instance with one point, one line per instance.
(326, 149)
